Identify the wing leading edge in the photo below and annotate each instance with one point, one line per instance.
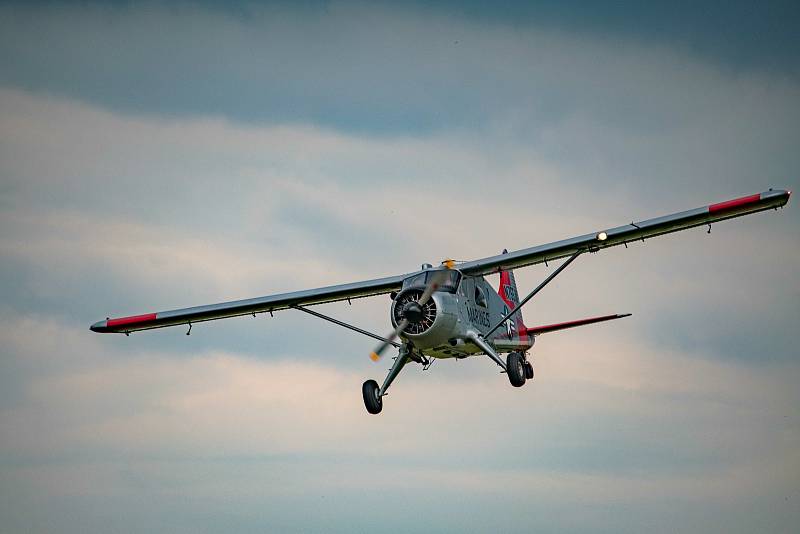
(628, 233)
(236, 308)
(521, 258)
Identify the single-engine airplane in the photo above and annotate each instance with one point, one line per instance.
(451, 311)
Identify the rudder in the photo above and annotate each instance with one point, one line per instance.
(508, 292)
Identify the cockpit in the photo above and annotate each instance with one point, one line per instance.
(449, 284)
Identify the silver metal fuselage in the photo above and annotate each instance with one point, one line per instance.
(473, 306)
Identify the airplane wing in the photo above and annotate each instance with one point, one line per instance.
(601, 238)
(635, 231)
(235, 308)
(536, 330)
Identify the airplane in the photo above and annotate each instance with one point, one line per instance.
(451, 310)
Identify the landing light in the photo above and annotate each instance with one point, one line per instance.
(602, 236)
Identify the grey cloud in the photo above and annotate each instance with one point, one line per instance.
(374, 69)
(239, 211)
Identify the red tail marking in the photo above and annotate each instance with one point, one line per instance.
(506, 281)
(733, 204)
(131, 320)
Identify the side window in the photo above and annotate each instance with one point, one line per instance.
(480, 297)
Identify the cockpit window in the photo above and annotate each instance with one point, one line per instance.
(450, 284)
(414, 281)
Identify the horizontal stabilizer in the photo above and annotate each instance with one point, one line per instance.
(536, 330)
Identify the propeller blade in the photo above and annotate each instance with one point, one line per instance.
(436, 280)
(434, 283)
(381, 348)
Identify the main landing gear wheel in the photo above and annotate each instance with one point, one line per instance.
(372, 400)
(515, 362)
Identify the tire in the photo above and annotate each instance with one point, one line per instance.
(372, 401)
(528, 370)
(516, 369)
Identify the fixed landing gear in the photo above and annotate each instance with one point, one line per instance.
(515, 367)
(372, 399)
(519, 369)
(373, 395)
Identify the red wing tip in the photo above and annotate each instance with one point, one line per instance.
(133, 319)
(735, 203)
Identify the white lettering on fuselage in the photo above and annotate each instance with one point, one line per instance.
(478, 317)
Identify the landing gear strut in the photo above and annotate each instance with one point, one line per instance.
(373, 395)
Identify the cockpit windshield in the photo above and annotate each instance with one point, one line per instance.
(450, 283)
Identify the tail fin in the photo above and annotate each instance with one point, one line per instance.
(508, 292)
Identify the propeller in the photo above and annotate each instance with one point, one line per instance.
(413, 310)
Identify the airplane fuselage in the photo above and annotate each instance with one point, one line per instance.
(473, 306)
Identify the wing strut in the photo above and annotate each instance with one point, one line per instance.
(532, 293)
(343, 324)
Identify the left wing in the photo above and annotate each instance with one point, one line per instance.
(235, 308)
(610, 237)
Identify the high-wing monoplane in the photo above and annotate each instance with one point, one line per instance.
(450, 310)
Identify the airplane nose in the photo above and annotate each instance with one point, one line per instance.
(412, 312)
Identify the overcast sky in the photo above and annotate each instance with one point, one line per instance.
(155, 156)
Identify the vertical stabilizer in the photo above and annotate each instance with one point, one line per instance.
(508, 292)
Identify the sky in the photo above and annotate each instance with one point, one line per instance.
(161, 155)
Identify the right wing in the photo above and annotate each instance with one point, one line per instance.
(235, 308)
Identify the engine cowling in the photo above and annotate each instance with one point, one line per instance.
(431, 324)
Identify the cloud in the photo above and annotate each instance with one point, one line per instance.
(596, 431)
(423, 69)
(256, 210)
